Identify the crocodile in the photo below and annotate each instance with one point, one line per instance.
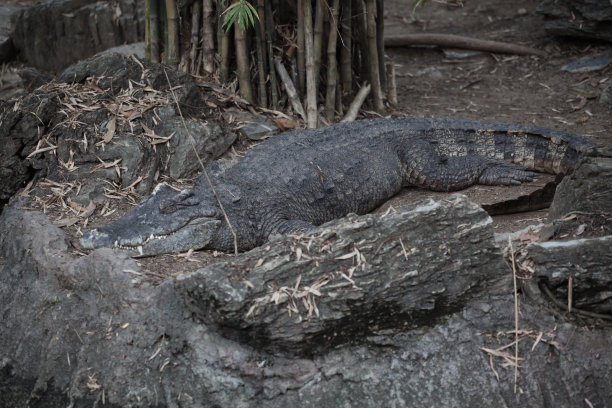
(297, 180)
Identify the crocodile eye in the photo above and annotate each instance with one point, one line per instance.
(187, 198)
(190, 201)
(168, 207)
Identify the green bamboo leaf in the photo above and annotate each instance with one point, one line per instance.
(230, 18)
(252, 9)
(249, 14)
(241, 12)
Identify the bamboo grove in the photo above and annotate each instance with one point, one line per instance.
(317, 54)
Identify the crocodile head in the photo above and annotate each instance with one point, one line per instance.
(166, 221)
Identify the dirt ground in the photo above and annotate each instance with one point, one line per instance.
(497, 87)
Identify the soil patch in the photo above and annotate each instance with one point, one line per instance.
(432, 82)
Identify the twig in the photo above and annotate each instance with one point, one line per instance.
(516, 310)
(458, 41)
(353, 110)
(563, 306)
(229, 224)
(290, 88)
(570, 294)
(391, 86)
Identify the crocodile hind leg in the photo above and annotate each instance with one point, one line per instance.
(498, 172)
(425, 168)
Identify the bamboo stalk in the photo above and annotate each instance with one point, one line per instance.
(294, 98)
(301, 59)
(259, 49)
(318, 38)
(262, 29)
(353, 110)
(195, 31)
(373, 56)
(183, 65)
(391, 87)
(268, 31)
(224, 45)
(339, 107)
(346, 69)
(208, 37)
(172, 48)
(380, 42)
(154, 29)
(332, 71)
(163, 26)
(242, 63)
(311, 85)
(362, 52)
(147, 30)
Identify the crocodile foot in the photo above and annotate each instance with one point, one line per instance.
(506, 174)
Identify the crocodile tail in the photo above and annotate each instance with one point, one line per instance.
(544, 150)
(537, 148)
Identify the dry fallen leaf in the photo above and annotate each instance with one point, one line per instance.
(110, 130)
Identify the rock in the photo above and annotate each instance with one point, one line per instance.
(382, 283)
(209, 141)
(33, 78)
(251, 126)
(605, 97)
(115, 71)
(460, 54)
(588, 64)
(85, 148)
(431, 72)
(54, 34)
(588, 188)
(587, 261)
(136, 49)
(539, 198)
(578, 18)
(80, 330)
(7, 50)
(19, 136)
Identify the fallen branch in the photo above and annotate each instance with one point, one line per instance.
(353, 110)
(458, 41)
(291, 91)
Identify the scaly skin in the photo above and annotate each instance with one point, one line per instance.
(297, 180)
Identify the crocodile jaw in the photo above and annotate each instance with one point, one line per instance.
(196, 234)
(166, 221)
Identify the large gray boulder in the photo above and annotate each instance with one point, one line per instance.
(589, 189)
(74, 130)
(426, 321)
(54, 34)
(578, 18)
